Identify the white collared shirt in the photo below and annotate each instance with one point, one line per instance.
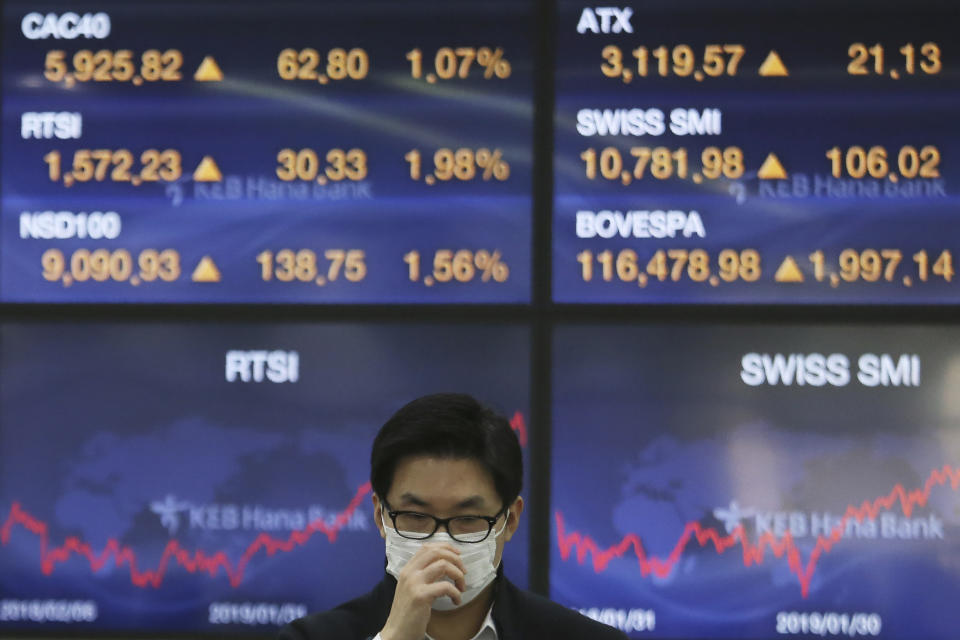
(488, 630)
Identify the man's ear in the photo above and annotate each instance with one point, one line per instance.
(513, 517)
(377, 519)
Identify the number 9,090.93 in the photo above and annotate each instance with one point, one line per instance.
(118, 265)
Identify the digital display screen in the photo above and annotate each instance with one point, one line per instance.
(758, 482)
(353, 151)
(201, 477)
(756, 152)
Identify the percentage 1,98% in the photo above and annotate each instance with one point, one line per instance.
(459, 164)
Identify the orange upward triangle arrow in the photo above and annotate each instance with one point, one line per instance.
(206, 271)
(208, 71)
(207, 171)
(771, 169)
(788, 271)
(773, 66)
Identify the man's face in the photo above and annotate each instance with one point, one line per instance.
(448, 487)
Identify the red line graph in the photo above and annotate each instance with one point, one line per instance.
(193, 561)
(753, 553)
(519, 425)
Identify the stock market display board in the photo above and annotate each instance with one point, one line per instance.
(369, 152)
(343, 152)
(708, 480)
(755, 152)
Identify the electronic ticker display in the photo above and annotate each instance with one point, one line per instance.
(756, 152)
(355, 151)
(203, 477)
(758, 482)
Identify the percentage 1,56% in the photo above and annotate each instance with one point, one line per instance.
(463, 265)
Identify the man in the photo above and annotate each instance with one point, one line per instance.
(446, 475)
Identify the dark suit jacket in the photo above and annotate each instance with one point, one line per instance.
(518, 615)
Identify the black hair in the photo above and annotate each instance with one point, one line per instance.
(449, 425)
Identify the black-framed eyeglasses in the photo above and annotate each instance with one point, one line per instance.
(420, 526)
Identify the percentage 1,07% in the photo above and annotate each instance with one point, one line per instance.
(459, 266)
(455, 62)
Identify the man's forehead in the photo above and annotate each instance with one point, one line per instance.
(442, 482)
(411, 498)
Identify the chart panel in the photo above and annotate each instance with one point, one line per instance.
(758, 482)
(201, 477)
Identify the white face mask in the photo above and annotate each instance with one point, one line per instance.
(477, 558)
